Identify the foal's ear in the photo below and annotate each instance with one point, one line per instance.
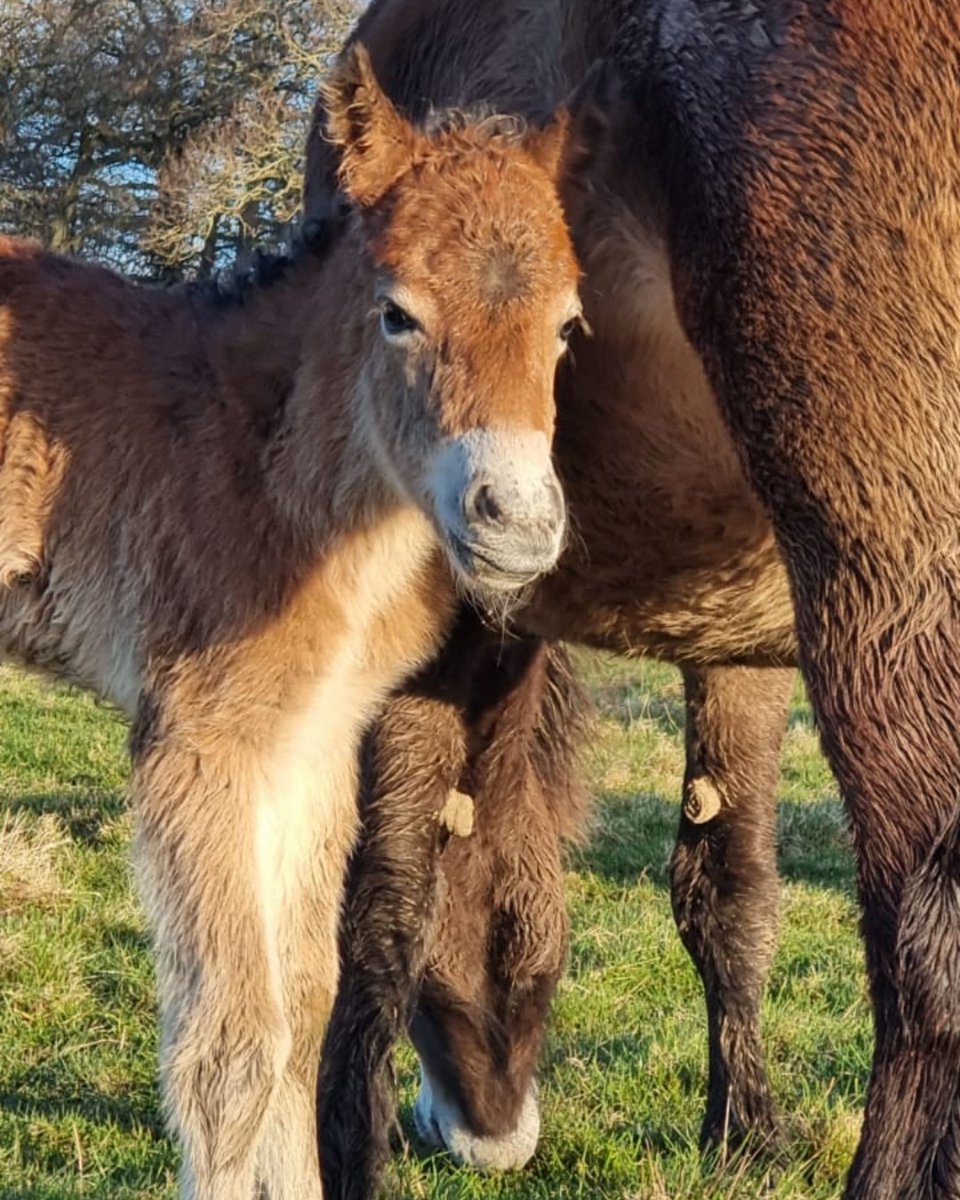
(579, 130)
(376, 144)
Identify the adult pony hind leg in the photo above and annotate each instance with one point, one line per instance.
(907, 837)
(823, 292)
(724, 882)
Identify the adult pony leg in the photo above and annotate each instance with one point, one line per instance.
(908, 847)
(412, 760)
(724, 881)
(822, 291)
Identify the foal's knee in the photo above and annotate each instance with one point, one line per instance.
(928, 946)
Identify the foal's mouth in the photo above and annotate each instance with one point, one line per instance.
(482, 568)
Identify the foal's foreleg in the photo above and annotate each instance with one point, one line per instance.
(241, 883)
(724, 880)
(224, 1037)
(309, 912)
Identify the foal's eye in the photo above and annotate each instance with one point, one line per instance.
(395, 321)
(568, 328)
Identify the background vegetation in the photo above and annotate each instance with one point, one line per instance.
(623, 1075)
(163, 137)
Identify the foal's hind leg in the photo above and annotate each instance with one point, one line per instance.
(724, 880)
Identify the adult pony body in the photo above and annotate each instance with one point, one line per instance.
(749, 212)
(672, 555)
(240, 522)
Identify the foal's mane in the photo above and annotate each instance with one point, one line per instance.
(233, 286)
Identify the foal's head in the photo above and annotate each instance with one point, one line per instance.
(474, 292)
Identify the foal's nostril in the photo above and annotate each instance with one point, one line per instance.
(480, 504)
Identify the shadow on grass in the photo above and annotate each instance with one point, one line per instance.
(634, 835)
(127, 1113)
(85, 814)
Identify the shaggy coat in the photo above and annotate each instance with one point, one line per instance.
(671, 555)
(228, 520)
(782, 178)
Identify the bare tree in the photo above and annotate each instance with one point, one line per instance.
(158, 135)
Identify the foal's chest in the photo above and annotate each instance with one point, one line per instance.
(393, 599)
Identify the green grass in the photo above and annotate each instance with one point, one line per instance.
(623, 1076)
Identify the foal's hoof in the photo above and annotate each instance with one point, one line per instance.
(457, 814)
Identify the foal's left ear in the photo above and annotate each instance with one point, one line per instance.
(375, 142)
(572, 139)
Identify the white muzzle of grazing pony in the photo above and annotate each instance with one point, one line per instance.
(441, 1124)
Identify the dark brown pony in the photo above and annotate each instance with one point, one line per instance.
(783, 177)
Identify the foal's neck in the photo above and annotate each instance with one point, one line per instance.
(252, 330)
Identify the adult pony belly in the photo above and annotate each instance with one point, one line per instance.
(670, 554)
(737, 612)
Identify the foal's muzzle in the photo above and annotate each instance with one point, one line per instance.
(442, 1125)
(500, 507)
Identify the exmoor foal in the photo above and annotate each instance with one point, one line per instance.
(242, 554)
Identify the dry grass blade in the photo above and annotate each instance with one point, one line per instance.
(29, 871)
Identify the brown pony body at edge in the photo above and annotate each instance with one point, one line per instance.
(688, 228)
(240, 523)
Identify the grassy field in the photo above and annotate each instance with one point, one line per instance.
(624, 1067)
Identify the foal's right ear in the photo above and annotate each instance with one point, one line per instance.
(376, 144)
